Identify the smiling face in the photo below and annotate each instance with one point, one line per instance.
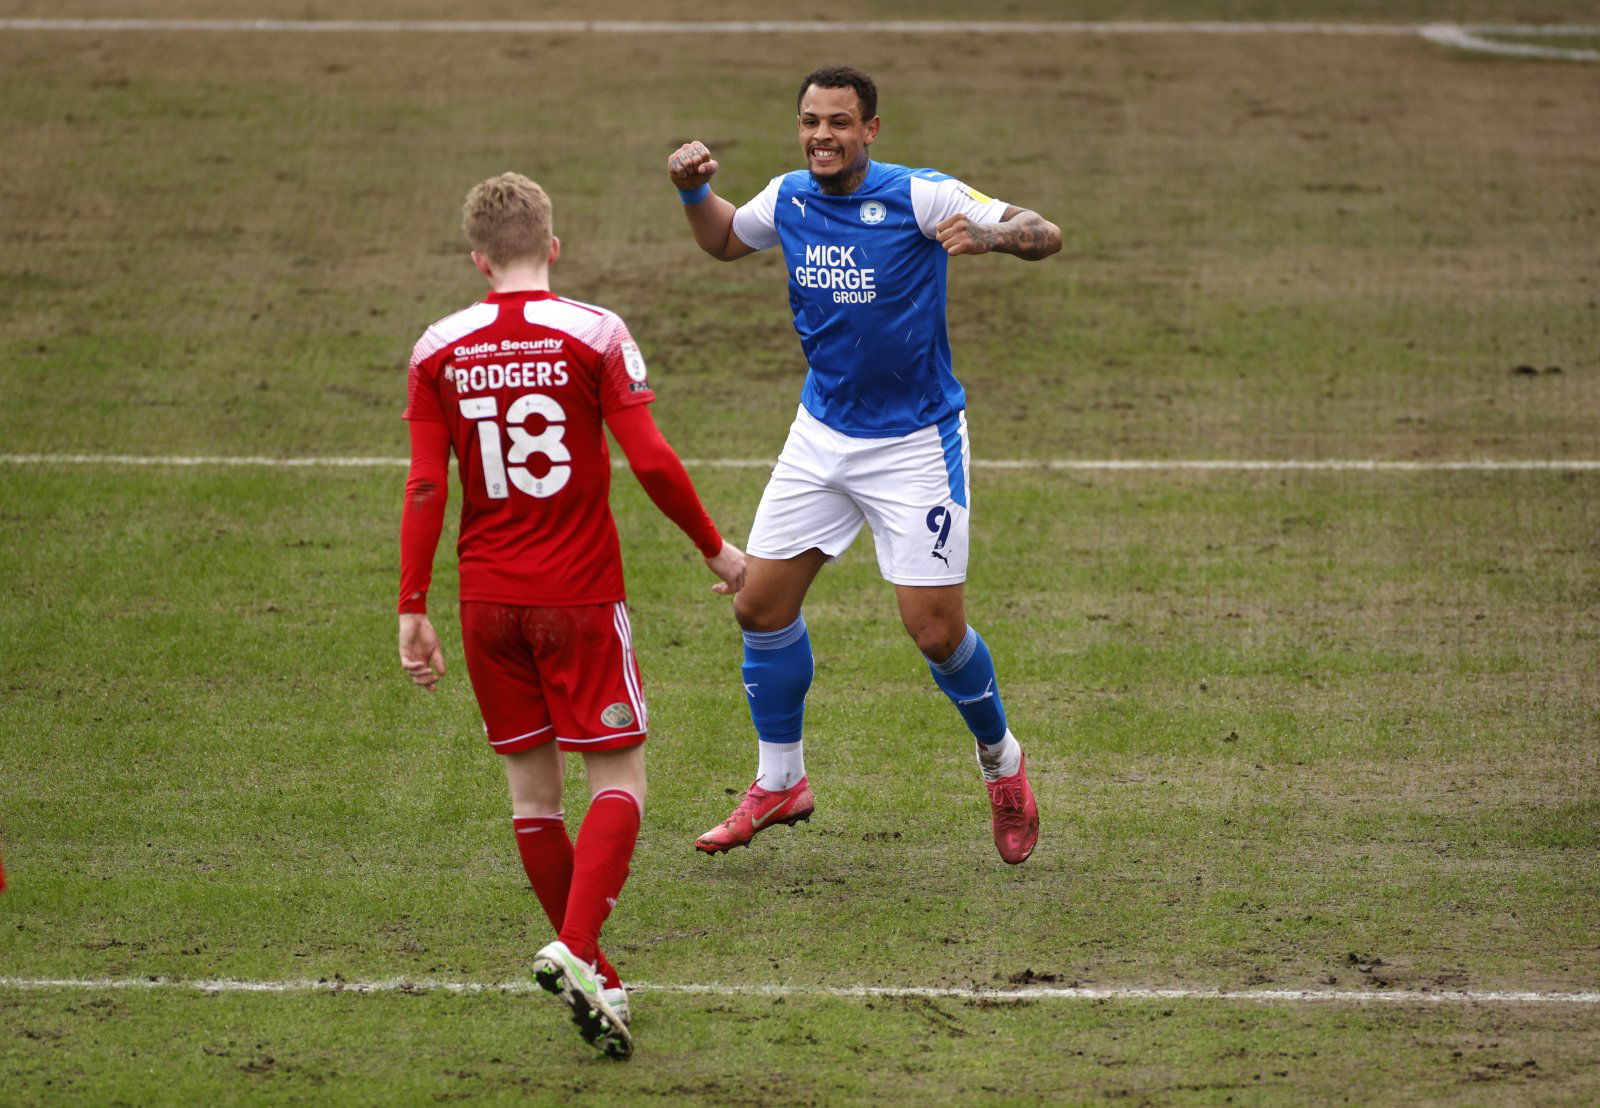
(833, 136)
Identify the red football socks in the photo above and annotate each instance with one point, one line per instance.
(599, 868)
(547, 859)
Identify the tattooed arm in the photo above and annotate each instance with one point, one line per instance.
(1026, 234)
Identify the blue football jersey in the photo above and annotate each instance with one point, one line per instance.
(867, 287)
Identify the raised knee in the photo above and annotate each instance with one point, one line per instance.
(935, 639)
(756, 616)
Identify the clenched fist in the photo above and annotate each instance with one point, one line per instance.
(959, 235)
(691, 165)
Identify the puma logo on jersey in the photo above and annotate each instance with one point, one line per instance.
(799, 203)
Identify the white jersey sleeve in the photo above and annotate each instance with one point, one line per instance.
(756, 223)
(937, 200)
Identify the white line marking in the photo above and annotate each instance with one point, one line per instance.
(729, 26)
(193, 460)
(789, 26)
(1039, 992)
(1372, 465)
(1461, 37)
(1368, 464)
(1472, 38)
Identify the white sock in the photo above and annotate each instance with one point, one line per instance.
(781, 765)
(1003, 759)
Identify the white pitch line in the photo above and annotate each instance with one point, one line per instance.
(793, 26)
(1472, 38)
(1375, 465)
(846, 992)
(1367, 464)
(730, 26)
(195, 460)
(1459, 36)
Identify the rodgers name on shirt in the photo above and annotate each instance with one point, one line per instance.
(507, 375)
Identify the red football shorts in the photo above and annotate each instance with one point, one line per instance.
(567, 674)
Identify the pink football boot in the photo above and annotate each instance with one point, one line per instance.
(1016, 816)
(758, 810)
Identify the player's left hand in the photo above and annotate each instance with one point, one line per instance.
(728, 564)
(959, 235)
(420, 655)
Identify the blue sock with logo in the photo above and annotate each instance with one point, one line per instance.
(967, 678)
(777, 675)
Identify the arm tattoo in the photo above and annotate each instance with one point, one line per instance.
(1026, 234)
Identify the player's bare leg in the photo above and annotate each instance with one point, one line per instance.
(935, 618)
(777, 673)
(534, 778)
(774, 590)
(616, 769)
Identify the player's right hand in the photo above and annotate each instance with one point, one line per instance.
(420, 655)
(691, 165)
(728, 564)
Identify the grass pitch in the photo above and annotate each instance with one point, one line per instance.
(1287, 730)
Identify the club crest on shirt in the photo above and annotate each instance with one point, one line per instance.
(872, 211)
(617, 715)
(633, 360)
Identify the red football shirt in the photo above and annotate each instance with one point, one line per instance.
(523, 381)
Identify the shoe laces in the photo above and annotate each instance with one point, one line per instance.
(1008, 794)
(750, 803)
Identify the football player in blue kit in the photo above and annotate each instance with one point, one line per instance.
(880, 437)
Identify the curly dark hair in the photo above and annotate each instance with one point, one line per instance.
(842, 76)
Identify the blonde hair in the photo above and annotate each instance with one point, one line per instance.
(507, 219)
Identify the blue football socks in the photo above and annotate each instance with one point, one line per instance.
(777, 674)
(967, 678)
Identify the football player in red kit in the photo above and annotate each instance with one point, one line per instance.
(519, 386)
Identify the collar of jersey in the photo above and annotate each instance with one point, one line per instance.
(519, 294)
(867, 183)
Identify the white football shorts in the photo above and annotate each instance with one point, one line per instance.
(913, 490)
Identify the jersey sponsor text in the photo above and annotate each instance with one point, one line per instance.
(834, 267)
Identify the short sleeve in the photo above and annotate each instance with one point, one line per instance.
(756, 223)
(422, 387)
(935, 198)
(624, 378)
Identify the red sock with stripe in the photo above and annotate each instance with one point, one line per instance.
(547, 860)
(599, 868)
